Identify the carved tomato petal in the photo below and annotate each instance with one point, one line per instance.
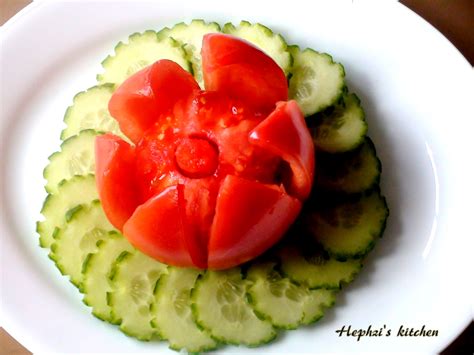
(241, 70)
(148, 94)
(157, 229)
(250, 217)
(118, 195)
(284, 133)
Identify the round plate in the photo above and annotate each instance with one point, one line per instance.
(417, 92)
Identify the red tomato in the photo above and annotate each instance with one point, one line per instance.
(158, 228)
(250, 217)
(117, 192)
(284, 132)
(201, 187)
(144, 97)
(235, 67)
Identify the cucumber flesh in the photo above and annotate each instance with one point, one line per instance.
(309, 266)
(341, 129)
(317, 82)
(274, 45)
(142, 49)
(220, 306)
(90, 111)
(134, 277)
(316, 303)
(96, 270)
(286, 304)
(190, 37)
(172, 315)
(86, 225)
(349, 229)
(352, 172)
(75, 191)
(75, 158)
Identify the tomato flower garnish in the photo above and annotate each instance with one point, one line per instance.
(214, 177)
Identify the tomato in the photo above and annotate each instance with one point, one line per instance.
(117, 192)
(147, 95)
(237, 68)
(158, 228)
(284, 132)
(250, 217)
(201, 186)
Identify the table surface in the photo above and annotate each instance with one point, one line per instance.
(454, 19)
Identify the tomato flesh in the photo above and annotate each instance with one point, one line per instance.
(117, 192)
(201, 186)
(241, 70)
(284, 132)
(158, 229)
(147, 95)
(250, 217)
(196, 157)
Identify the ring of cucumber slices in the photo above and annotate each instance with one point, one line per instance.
(292, 284)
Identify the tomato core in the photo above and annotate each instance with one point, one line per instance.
(196, 157)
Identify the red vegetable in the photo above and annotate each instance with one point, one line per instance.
(243, 71)
(201, 186)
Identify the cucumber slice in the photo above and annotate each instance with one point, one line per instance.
(190, 36)
(349, 229)
(86, 225)
(141, 50)
(96, 269)
(220, 306)
(134, 276)
(352, 172)
(316, 303)
(317, 82)
(309, 266)
(75, 191)
(172, 314)
(274, 45)
(90, 111)
(343, 128)
(75, 158)
(276, 298)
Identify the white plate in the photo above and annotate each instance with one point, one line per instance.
(416, 89)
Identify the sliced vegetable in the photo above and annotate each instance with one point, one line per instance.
(310, 266)
(134, 277)
(282, 301)
(342, 128)
(317, 82)
(86, 226)
(158, 228)
(234, 67)
(115, 162)
(141, 50)
(284, 132)
(352, 172)
(190, 37)
(272, 44)
(89, 111)
(173, 319)
(149, 95)
(96, 270)
(75, 158)
(220, 307)
(349, 229)
(250, 217)
(70, 193)
(213, 179)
